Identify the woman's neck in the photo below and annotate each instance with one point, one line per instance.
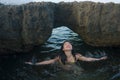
(69, 56)
(68, 53)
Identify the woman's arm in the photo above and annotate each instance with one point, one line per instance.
(83, 58)
(51, 61)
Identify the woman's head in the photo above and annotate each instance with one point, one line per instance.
(66, 46)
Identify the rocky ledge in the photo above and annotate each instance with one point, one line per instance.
(24, 26)
(97, 23)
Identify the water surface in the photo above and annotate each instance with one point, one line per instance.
(12, 67)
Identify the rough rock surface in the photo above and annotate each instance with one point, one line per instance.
(97, 23)
(22, 27)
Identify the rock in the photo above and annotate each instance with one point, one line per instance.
(25, 26)
(97, 23)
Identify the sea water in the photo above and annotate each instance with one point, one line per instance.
(12, 67)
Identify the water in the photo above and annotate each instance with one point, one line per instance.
(12, 67)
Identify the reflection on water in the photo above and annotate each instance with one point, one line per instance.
(12, 67)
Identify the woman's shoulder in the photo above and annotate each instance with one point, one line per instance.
(78, 55)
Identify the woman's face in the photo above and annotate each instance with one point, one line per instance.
(67, 46)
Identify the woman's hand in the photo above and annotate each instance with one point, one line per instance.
(103, 58)
(30, 63)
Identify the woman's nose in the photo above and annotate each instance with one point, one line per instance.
(67, 45)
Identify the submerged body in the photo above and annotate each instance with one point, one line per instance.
(71, 67)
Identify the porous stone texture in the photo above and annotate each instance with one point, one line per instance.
(24, 26)
(97, 23)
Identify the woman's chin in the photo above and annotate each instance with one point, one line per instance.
(67, 50)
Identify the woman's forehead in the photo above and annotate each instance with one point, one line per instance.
(67, 43)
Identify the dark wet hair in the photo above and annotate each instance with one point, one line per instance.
(62, 54)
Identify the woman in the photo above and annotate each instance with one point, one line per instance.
(67, 57)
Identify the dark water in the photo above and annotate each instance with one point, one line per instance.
(12, 67)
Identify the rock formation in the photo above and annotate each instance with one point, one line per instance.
(97, 23)
(24, 26)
